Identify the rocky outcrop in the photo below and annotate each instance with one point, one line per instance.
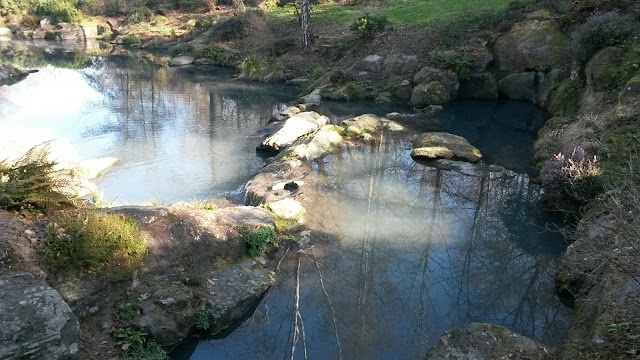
(35, 323)
(402, 65)
(324, 142)
(10, 74)
(372, 63)
(549, 83)
(434, 87)
(295, 127)
(362, 124)
(519, 86)
(481, 86)
(531, 45)
(441, 145)
(480, 341)
(602, 67)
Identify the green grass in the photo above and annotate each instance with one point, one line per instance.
(408, 12)
(93, 241)
(258, 241)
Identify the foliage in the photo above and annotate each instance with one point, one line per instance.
(190, 4)
(258, 241)
(202, 319)
(137, 345)
(571, 180)
(461, 64)
(217, 55)
(318, 71)
(282, 46)
(351, 90)
(130, 39)
(340, 77)
(566, 99)
(95, 241)
(33, 182)
(126, 308)
(599, 31)
(369, 25)
(630, 66)
(58, 10)
(253, 67)
(138, 15)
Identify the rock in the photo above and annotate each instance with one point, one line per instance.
(288, 209)
(519, 86)
(5, 34)
(323, 142)
(486, 342)
(483, 86)
(38, 34)
(531, 45)
(394, 116)
(10, 74)
(602, 67)
(46, 22)
(441, 145)
(295, 127)
(35, 323)
(403, 90)
(90, 32)
(549, 83)
(391, 125)
(362, 124)
(313, 98)
(15, 28)
(286, 113)
(433, 93)
(435, 87)
(400, 64)
(93, 168)
(261, 189)
(181, 60)
(372, 63)
(168, 314)
(233, 291)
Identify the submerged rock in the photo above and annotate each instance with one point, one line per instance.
(295, 127)
(441, 145)
(35, 323)
(480, 341)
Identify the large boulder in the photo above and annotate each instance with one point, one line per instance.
(550, 82)
(531, 45)
(35, 323)
(480, 341)
(435, 87)
(403, 90)
(295, 127)
(441, 145)
(321, 144)
(363, 124)
(482, 86)
(519, 86)
(602, 67)
(400, 65)
(5, 34)
(372, 63)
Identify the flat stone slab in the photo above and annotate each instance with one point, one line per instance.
(441, 145)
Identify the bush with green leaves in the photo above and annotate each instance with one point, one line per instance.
(59, 10)
(93, 241)
(369, 25)
(138, 15)
(260, 240)
(32, 181)
(217, 55)
(137, 345)
(599, 31)
(253, 67)
(461, 64)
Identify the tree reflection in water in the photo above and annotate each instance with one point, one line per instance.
(414, 251)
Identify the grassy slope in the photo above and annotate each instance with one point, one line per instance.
(406, 12)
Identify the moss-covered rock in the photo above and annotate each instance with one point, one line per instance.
(602, 68)
(441, 145)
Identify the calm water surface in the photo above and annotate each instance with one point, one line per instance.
(405, 251)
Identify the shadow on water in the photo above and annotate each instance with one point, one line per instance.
(409, 252)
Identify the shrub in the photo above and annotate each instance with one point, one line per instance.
(130, 39)
(630, 66)
(217, 55)
(259, 240)
(318, 72)
(340, 77)
(599, 31)
(461, 64)
(33, 182)
(253, 67)
(138, 15)
(282, 46)
(58, 10)
(136, 345)
(369, 25)
(89, 240)
(571, 180)
(202, 319)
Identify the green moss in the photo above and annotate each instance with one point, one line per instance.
(630, 66)
(130, 39)
(258, 241)
(284, 224)
(566, 99)
(203, 319)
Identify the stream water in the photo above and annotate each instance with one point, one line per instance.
(407, 251)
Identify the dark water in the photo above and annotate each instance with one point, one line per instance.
(404, 252)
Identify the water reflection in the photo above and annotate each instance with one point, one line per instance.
(410, 251)
(180, 134)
